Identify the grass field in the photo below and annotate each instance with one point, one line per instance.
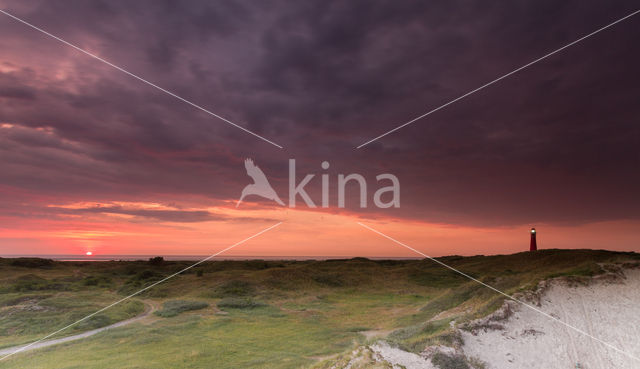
(258, 314)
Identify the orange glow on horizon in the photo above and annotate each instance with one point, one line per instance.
(304, 233)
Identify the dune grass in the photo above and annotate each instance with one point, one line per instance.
(175, 307)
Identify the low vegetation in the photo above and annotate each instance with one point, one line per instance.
(234, 288)
(239, 303)
(266, 314)
(444, 361)
(175, 307)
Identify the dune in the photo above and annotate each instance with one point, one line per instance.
(607, 308)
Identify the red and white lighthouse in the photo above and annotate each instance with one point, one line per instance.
(533, 246)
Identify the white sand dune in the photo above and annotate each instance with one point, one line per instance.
(608, 310)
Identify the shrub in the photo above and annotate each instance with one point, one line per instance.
(101, 281)
(175, 307)
(357, 329)
(147, 274)
(328, 279)
(32, 262)
(158, 260)
(256, 264)
(415, 338)
(31, 282)
(143, 278)
(239, 303)
(234, 288)
(24, 299)
(444, 361)
(96, 321)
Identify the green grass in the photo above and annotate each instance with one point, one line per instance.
(175, 307)
(265, 314)
(236, 341)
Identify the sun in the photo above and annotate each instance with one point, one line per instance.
(89, 253)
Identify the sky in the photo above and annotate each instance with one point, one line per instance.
(93, 159)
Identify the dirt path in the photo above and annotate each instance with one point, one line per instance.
(149, 308)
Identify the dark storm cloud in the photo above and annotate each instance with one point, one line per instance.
(12, 88)
(556, 142)
(184, 216)
(16, 207)
(17, 93)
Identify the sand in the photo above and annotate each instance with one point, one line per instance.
(608, 310)
(399, 358)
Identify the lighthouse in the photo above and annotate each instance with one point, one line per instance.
(533, 246)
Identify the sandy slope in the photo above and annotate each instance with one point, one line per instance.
(399, 358)
(609, 311)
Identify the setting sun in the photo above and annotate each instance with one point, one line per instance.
(89, 253)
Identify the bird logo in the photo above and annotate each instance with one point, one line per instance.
(260, 185)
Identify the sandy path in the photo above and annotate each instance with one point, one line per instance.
(608, 311)
(149, 308)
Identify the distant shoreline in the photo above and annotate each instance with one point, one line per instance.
(75, 258)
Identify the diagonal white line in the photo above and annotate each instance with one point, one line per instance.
(499, 78)
(139, 292)
(502, 293)
(140, 78)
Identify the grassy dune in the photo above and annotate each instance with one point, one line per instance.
(263, 314)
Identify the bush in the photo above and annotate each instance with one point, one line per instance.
(147, 274)
(143, 278)
(239, 303)
(101, 281)
(32, 262)
(444, 361)
(158, 260)
(96, 321)
(416, 337)
(175, 307)
(24, 299)
(256, 264)
(357, 329)
(31, 282)
(328, 279)
(234, 288)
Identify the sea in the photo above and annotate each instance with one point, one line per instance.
(70, 257)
